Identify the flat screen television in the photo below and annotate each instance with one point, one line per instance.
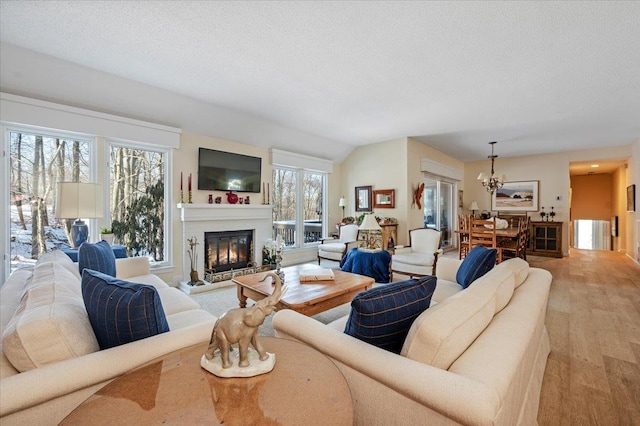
(226, 171)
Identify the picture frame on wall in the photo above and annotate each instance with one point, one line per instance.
(384, 199)
(631, 198)
(517, 196)
(363, 198)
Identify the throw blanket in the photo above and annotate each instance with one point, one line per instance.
(374, 265)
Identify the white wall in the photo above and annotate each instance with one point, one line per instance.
(395, 164)
(443, 164)
(383, 166)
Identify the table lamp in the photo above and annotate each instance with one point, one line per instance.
(79, 200)
(370, 234)
(473, 207)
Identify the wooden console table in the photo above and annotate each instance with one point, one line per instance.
(305, 387)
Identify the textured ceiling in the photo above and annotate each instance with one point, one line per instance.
(535, 76)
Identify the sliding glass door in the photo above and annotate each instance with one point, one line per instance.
(439, 207)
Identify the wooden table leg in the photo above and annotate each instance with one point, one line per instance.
(242, 298)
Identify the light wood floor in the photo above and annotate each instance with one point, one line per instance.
(593, 318)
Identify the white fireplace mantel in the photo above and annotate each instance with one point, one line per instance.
(200, 218)
(199, 212)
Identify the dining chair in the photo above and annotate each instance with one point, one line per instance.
(516, 247)
(483, 233)
(463, 236)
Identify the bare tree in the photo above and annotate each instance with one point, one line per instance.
(18, 194)
(37, 223)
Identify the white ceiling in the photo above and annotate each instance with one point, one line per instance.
(535, 76)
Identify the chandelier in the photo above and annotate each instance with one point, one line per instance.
(493, 181)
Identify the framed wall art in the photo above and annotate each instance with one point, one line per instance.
(363, 198)
(384, 199)
(631, 198)
(520, 196)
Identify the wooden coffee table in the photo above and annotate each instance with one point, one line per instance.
(304, 388)
(307, 298)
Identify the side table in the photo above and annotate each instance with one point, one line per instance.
(305, 387)
(372, 264)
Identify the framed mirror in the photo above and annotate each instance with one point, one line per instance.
(363, 199)
(384, 199)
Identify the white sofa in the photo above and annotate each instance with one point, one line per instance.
(44, 395)
(475, 357)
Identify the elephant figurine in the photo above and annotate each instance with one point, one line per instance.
(240, 326)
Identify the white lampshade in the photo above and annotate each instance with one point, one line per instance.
(369, 234)
(483, 176)
(474, 206)
(342, 202)
(78, 200)
(369, 223)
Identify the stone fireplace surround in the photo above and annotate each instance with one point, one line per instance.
(200, 218)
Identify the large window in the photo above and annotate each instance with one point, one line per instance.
(37, 161)
(134, 176)
(137, 205)
(137, 200)
(298, 206)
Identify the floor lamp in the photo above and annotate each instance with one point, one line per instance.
(79, 200)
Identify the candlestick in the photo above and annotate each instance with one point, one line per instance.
(189, 185)
(268, 194)
(180, 181)
(264, 194)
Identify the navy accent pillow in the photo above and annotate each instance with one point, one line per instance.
(98, 257)
(478, 262)
(119, 311)
(382, 316)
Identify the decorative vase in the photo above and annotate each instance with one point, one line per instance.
(232, 198)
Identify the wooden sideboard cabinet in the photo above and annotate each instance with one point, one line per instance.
(389, 236)
(546, 239)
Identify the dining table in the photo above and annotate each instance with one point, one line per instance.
(506, 233)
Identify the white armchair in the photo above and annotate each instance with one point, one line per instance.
(336, 248)
(419, 258)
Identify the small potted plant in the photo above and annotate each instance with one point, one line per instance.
(107, 235)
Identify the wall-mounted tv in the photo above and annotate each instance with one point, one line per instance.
(226, 171)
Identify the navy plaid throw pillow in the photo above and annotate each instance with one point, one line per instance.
(119, 311)
(98, 257)
(478, 262)
(382, 316)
